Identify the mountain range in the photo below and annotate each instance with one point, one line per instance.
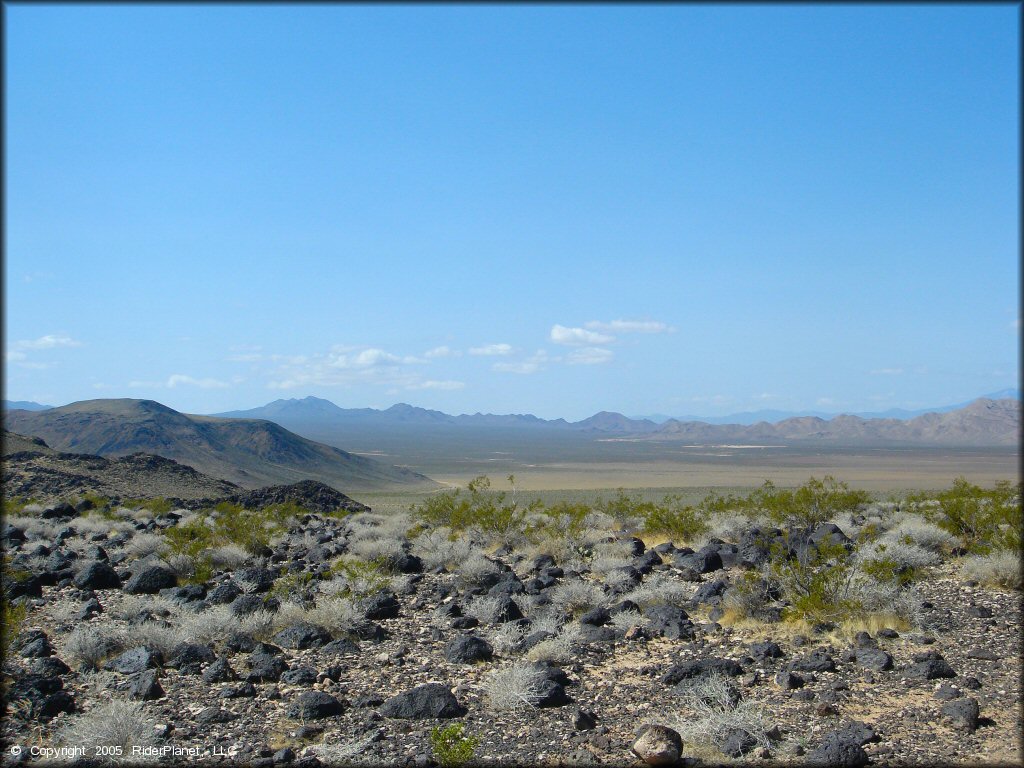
(983, 422)
(250, 453)
(314, 408)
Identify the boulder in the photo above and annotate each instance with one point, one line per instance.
(302, 635)
(97, 575)
(314, 705)
(658, 745)
(427, 701)
(146, 686)
(151, 580)
(835, 751)
(467, 649)
(963, 713)
(697, 667)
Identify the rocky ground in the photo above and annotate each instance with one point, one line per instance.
(370, 688)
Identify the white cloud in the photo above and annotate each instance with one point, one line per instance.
(532, 364)
(886, 372)
(439, 352)
(825, 401)
(589, 356)
(14, 355)
(578, 336)
(630, 326)
(343, 366)
(245, 357)
(49, 342)
(490, 350)
(432, 384)
(180, 378)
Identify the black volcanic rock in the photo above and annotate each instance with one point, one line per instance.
(427, 701)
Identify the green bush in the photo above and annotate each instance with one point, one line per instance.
(15, 505)
(983, 519)
(814, 502)
(451, 747)
(681, 522)
(624, 509)
(493, 514)
(816, 583)
(362, 578)
(158, 505)
(562, 522)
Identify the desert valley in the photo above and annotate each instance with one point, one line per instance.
(301, 584)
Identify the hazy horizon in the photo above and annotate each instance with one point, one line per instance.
(557, 210)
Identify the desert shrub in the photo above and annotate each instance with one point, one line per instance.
(814, 502)
(14, 506)
(615, 580)
(128, 607)
(157, 636)
(678, 521)
(895, 560)
(749, 596)
(915, 530)
(485, 608)
(982, 519)
(109, 724)
(717, 708)
(338, 615)
(14, 620)
(477, 570)
(357, 579)
(576, 596)
(999, 568)
(626, 510)
(144, 545)
(251, 530)
(516, 686)
(825, 583)
(562, 524)
(626, 620)
(546, 621)
(441, 547)
(384, 550)
(90, 644)
(344, 754)
(560, 649)
(294, 587)
(451, 747)
(155, 506)
(35, 527)
(817, 582)
(229, 557)
(494, 515)
(209, 626)
(507, 637)
(659, 589)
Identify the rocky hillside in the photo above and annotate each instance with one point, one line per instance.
(348, 643)
(247, 452)
(33, 470)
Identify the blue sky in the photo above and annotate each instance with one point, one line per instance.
(547, 209)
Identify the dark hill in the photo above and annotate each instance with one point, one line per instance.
(248, 452)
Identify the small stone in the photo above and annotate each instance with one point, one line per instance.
(583, 719)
